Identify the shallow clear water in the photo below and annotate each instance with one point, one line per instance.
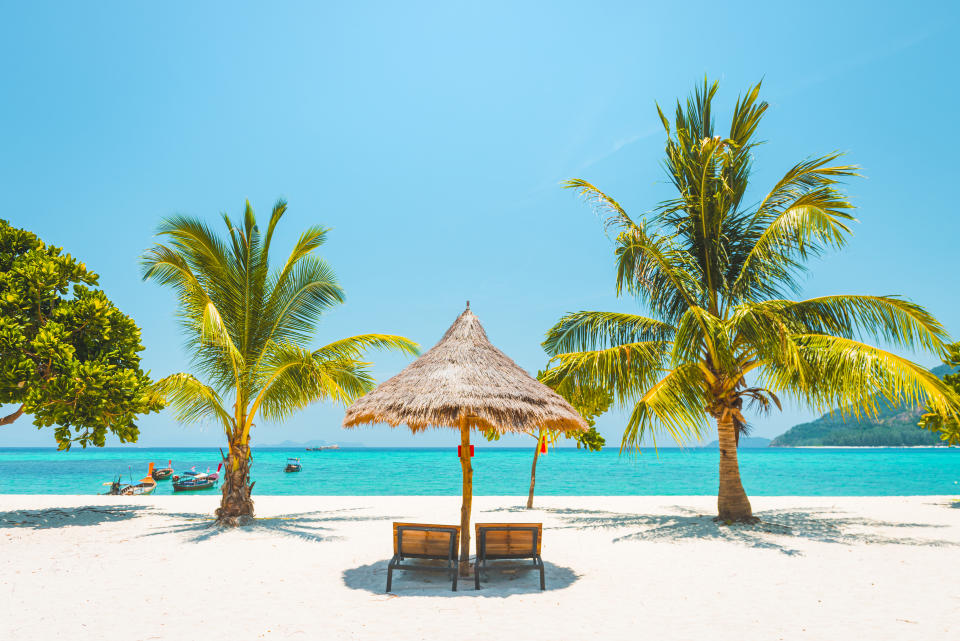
(435, 471)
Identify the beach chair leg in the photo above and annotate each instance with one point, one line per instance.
(543, 585)
(456, 571)
(389, 576)
(476, 575)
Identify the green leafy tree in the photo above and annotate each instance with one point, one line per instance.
(589, 402)
(947, 426)
(68, 357)
(714, 267)
(248, 326)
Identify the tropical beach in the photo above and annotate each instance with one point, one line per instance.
(822, 568)
(504, 320)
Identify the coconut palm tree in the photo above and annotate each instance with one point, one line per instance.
(248, 327)
(715, 269)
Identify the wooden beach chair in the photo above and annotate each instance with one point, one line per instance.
(425, 541)
(497, 541)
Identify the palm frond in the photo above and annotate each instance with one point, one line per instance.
(888, 318)
(659, 272)
(279, 209)
(198, 313)
(355, 347)
(309, 241)
(674, 404)
(192, 401)
(295, 377)
(196, 242)
(606, 208)
(308, 290)
(626, 371)
(582, 331)
(806, 176)
(802, 216)
(852, 376)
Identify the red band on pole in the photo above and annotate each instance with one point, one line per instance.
(460, 451)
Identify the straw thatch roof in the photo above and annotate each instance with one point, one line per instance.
(465, 375)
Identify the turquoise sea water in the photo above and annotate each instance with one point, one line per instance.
(436, 471)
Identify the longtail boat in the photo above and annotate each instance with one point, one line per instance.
(163, 473)
(144, 486)
(293, 465)
(191, 481)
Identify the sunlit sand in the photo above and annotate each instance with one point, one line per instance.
(616, 567)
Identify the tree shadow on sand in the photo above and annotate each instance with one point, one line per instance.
(57, 517)
(774, 531)
(496, 582)
(315, 527)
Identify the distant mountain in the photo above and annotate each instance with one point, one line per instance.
(746, 442)
(893, 427)
(313, 443)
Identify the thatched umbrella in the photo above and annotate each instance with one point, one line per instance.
(464, 382)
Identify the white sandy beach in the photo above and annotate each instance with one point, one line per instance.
(97, 567)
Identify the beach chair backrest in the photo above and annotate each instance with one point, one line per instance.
(426, 540)
(509, 539)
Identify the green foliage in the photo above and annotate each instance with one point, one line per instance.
(946, 426)
(590, 402)
(68, 356)
(248, 325)
(715, 268)
(856, 435)
(591, 440)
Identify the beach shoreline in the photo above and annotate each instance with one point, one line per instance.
(617, 567)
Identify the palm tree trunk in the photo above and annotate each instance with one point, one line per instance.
(236, 506)
(732, 502)
(533, 473)
(467, 504)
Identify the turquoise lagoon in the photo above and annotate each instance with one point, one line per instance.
(506, 472)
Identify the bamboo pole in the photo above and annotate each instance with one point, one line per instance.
(467, 497)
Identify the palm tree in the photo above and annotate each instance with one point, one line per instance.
(248, 327)
(715, 270)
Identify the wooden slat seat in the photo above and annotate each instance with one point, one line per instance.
(497, 541)
(424, 541)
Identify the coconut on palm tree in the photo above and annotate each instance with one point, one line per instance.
(249, 326)
(715, 266)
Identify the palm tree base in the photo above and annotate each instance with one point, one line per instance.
(234, 521)
(748, 520)
(235, 510)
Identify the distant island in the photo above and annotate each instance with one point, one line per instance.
(893, 427)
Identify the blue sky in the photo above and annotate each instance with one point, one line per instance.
(432, 138)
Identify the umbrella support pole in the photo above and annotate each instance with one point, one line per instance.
(467, 498)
